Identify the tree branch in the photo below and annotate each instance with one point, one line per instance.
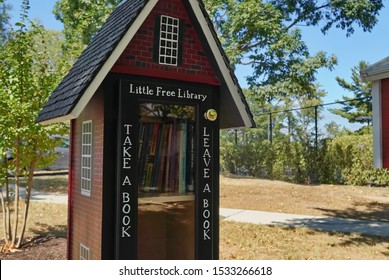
(304, 14)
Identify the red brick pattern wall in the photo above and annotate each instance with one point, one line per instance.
(137, 58)
(385, 121)
(86, 219)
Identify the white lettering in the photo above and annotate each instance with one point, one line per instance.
(205, 203)
(206, 209)
(163, 92)
(206, 188)
(205, 234)
(143, 90)
(124, 231)
(126, 163)
(206, 143)
(126, 197)
(127, 141)
(207, 161)
(128, 126)
(206, 173)
(126, 153)
(168, 93)
(126, 181)
(185, 93)
(126, 220)
(126, 208)
(205, 134)
(206, 215)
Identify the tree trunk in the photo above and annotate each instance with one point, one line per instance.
(17, 188)
(4, 218)
(7, 209)
(30, 180)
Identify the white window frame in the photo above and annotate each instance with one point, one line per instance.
(84, 252)
(169, 40)
(86, 157)
(377, 124)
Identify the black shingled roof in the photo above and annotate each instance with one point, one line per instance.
(66, 96)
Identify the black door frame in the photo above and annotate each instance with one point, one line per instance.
(120, 187)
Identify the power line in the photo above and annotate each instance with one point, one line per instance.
(314, 106)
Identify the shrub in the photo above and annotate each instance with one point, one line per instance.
(346, 159)
(353, 156)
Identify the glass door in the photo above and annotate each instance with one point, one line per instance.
(166, 181)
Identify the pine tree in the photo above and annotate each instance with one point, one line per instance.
(356, 109)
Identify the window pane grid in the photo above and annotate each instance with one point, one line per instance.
(86, 158)
(168, 50)
(84, 252)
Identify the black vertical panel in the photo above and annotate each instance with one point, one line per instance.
(205, 189)
(216, 178)
(120, 185)
(157, 27)
(109, 169)
(207, 193)
(126, 186)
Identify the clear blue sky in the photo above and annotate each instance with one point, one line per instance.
(370, 47)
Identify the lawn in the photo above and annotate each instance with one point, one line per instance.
(259, 242)
(368, 203)
(248, 241)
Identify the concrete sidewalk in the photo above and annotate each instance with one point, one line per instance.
(312, 222)
(49, 197)
(269, 218)
(46, 197)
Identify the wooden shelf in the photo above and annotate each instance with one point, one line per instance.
(165, 198)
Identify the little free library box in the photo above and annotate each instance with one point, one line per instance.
(146, 100)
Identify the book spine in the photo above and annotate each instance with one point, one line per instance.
(144, 156)
(168, 158)
(159, 158)
(190, 158)
(182, 131)
(173, 159)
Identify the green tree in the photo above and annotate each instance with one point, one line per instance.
(27, 75)
(357, 109)
(81, 20)
(333, 129)
(4, 21)
(264, 34)
(259, 33)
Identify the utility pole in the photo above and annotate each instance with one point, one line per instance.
(316, 128)
(270, 129)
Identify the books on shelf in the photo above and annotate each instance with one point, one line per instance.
(166, 156)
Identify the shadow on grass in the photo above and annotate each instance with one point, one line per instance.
(371, 211)
(361, 240)
(346, 239)
(357, 239)
(332, 224)
(45, 229)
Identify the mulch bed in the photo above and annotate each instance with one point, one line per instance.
(46, 247)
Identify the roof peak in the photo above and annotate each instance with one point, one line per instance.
(376, 71)
(76, 89)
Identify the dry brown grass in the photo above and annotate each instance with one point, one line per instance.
(254, 242)
(57, 184)
(367, 203)
(44, 218)
(248, 241)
